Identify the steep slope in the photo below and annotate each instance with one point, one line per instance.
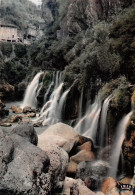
(21, 13)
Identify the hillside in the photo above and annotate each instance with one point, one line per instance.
(67, 100)
(21, 13)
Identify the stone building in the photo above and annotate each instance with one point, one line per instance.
(8, 33)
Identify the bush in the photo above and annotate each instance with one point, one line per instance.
(6, 49)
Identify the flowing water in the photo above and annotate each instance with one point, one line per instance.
(88, 124)
(51, 111)
(103, 118)
(119, 137)
(30, 98)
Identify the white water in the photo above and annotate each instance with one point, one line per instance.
(80, 105)
(88, 124)
(61, 103)
(30, 98)
(51, 112)
(49, 88)
(103, 118)
(118, 143)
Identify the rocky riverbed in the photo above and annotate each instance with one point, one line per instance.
(58, 161)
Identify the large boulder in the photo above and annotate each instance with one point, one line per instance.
(23, 168)
(58, 164)
(92, 173)
(85, 153)
(60, 134)
(27, 131)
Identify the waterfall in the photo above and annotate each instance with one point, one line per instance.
(62, 101)
(51, 111)
(49, 88)
(88, 124)
(103, 118)
(30, 97)
(120, 134)
(80, 105)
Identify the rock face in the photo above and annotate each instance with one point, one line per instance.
(80, 14)
(60, 134)
(23, 167)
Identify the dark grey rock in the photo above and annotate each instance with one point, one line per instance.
(27, 131)
(25, 167)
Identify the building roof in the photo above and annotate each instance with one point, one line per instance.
(4, 24)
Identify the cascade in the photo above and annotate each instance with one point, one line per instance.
(49, 88)
(51, 112)
(120, 134)
(62, 101)
(104, 117)
(30, 97)
(88, 124)
(80, 105)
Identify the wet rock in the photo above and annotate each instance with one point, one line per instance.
(83, 155)
(92, 173)
(25, 119)
(16, 109)
(60, 134)
(28, 109)
(126, 180)
(72, 186)
(114, 191)
(5, 124)
(105, 153)
(15, 118)
(83, 140)
(72, 167)
(27, 131)
(88, 146)
(108, 185)
(31, 115)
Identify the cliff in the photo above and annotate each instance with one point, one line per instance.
(76, 15)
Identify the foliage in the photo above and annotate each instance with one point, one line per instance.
(20, 50)
(21, 13)
(6, 49)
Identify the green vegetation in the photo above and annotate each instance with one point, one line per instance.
(21, 13)
(6, 49)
